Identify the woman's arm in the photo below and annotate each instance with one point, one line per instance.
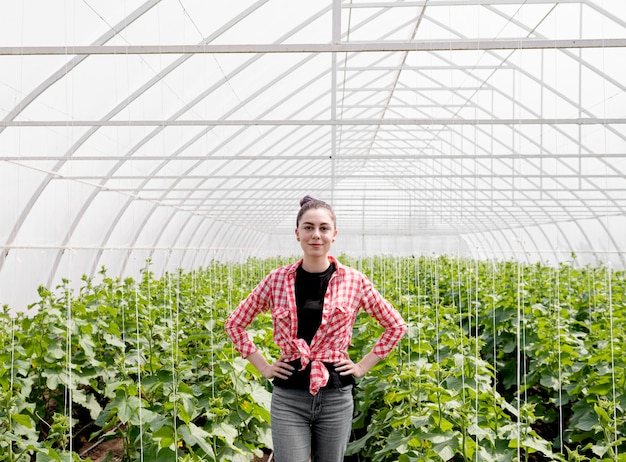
(394, 329)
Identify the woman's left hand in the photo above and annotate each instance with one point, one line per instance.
(347, 367)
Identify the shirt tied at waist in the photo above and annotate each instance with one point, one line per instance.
(319, 372)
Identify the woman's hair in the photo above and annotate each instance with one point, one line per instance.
(308, 203)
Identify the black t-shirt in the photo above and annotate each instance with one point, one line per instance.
(310, 291)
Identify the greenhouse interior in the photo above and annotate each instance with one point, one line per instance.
(153, 154)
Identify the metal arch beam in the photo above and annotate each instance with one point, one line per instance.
(116, 110)
(123, 104)
(198, 136)
(422, 3)
(581, 109)
(343, 47)
(519, 223)
(70, 65)
(541, 208)
(555, 90)
(193, 234)
(43, 87)
(515, 219)
(269, 110)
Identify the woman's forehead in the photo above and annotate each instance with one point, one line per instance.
(317, 215)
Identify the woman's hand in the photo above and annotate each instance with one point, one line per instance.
(347, 367)
(279, 369)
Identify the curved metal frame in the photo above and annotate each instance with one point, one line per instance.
(380, 152)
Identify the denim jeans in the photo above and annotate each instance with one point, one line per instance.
(306, 426)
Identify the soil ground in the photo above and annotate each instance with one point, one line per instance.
(115, 450)
(111, 448)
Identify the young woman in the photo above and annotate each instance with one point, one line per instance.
(314, 304)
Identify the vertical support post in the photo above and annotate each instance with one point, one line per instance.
(336, 39)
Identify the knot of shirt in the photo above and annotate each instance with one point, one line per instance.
(319, 372)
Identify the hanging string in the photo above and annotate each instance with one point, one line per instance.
(519, 357)
(68, 365)
(68, 408)
(138, 348)
(12, 379)
(458, 294)
(173, 322)
(494, 304)
(557, 306)
(476, 353)
(212, 289)
(418, 322)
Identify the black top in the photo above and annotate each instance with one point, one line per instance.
(310, 292)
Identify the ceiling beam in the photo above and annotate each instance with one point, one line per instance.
(522, 43)
(311, 122)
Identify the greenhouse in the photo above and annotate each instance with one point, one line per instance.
(153, 154)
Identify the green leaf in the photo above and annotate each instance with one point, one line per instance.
(195, 436)
(23, 420)
(165, 437)
(88, 401)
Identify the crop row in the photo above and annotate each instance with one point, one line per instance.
(503, 361)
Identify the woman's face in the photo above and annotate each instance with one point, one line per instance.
(316, 232)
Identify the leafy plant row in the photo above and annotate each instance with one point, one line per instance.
(503, 361)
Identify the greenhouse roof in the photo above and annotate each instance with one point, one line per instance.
(185, 131)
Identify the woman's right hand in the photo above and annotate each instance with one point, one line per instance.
(280, 369)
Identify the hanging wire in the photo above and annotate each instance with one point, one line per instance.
(610, 267)
(559, 335)
(69, 322)
(138, 339)
(12, 379)
(457, 293)
(476, 355)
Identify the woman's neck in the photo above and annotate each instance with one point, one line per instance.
(315, 265)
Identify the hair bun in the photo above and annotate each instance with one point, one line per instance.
(306, 199)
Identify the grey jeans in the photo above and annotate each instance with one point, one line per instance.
(306, 426)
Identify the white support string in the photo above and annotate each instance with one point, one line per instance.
(476, 357)
(460, 307)
(12, 380)
(519, 358)
(138, 337)
(211, 275)
(557, 307)
(612, 343)
(68, 364)
(494, 306)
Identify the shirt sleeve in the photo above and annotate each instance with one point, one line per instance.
(258, 301)
(387, 316)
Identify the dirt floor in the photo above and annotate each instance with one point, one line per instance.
(111, 448)
(114, 449)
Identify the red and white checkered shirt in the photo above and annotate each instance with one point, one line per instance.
(348, 291)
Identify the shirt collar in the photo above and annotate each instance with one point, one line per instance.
(291, 269)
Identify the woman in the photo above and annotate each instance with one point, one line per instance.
(314, 304)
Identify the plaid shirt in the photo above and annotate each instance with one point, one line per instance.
(348, 290)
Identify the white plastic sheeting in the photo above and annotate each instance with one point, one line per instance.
(184, 131)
